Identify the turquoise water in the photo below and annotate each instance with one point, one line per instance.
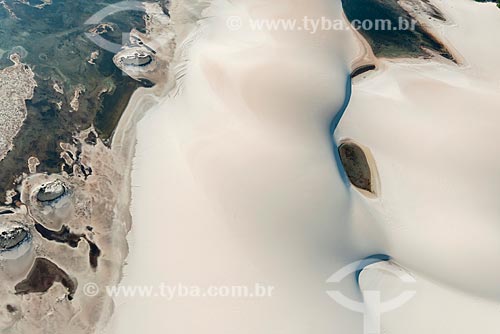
(52, 41)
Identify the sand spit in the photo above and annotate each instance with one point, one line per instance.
(9, 9)
(17, 85)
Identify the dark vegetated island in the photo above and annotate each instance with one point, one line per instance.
(394, 43)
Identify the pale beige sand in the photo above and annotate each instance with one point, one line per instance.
(234, 179)
(436, 308)
(433, 130)
(235, 183)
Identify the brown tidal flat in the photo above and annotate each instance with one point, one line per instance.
(43, 275)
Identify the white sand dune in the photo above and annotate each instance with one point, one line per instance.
(433, 130)
(235, 180)
(436, 308)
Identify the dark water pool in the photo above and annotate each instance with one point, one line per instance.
(52, 41)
